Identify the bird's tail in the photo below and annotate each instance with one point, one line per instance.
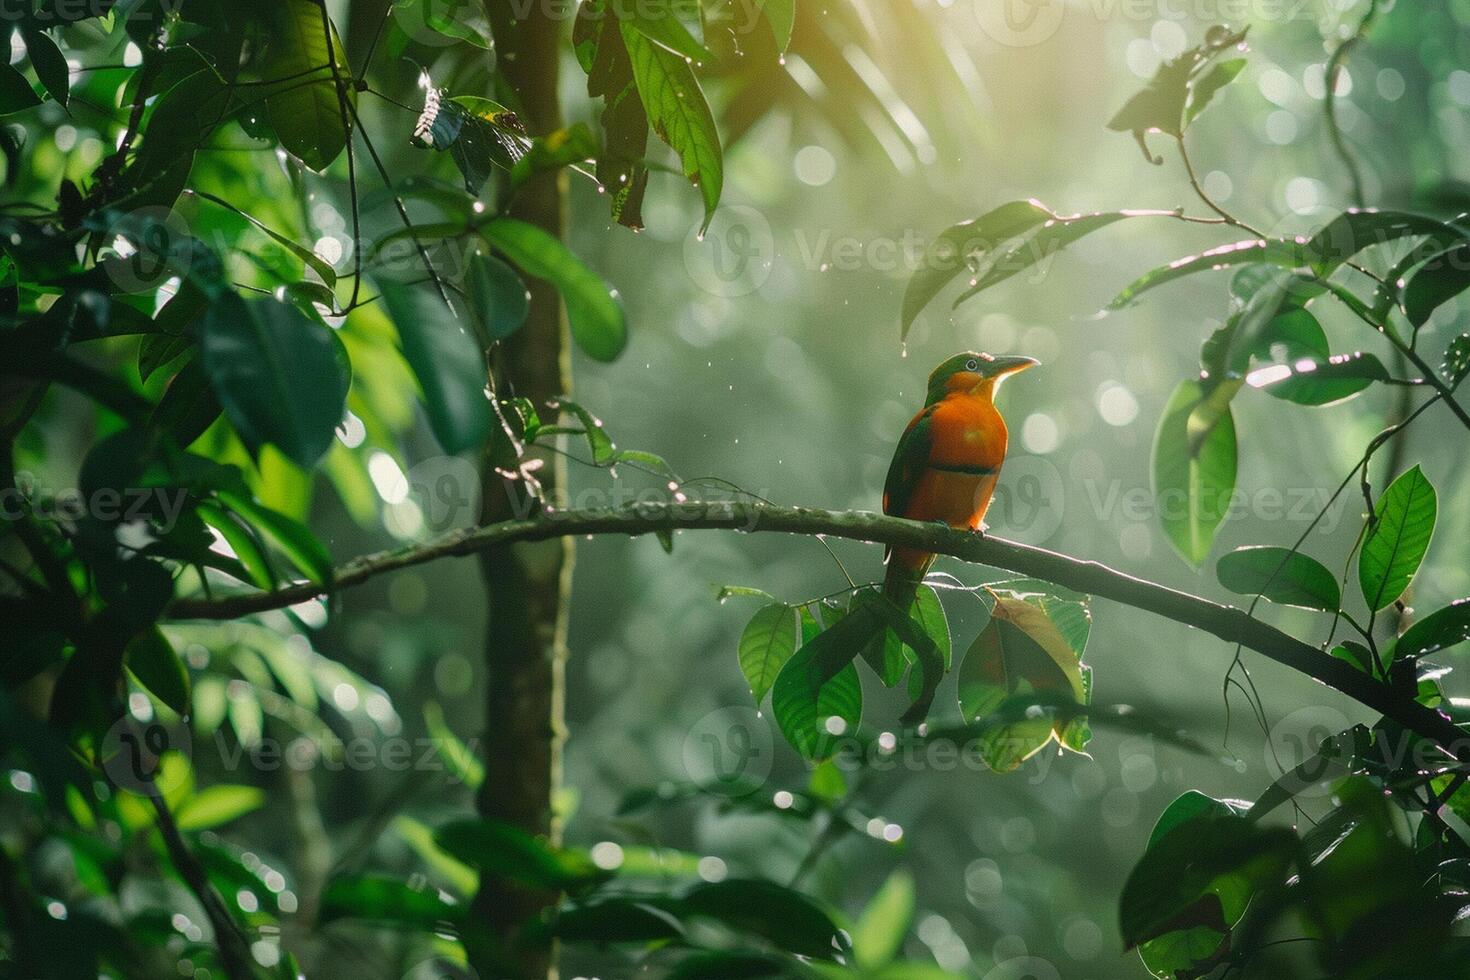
(906, 571)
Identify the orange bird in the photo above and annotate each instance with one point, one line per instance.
(948, 460)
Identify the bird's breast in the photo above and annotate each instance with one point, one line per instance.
(967, 433)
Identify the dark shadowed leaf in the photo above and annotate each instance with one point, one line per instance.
(957, 246)
(1440, 630)
(1320, 381)
(1031, 645)
(1287, 577)
(15, 92)
(280, 378)
(446, 360)
(153, 661)
(781, 915)
(308, 116)
(497, 296)
(1355, 230)
(50, 64)
(1204, 865)
(509, 852)
(820, 681)
(380, 898)
(1436, 282)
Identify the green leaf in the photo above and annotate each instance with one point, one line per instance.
(1056, 234)
(243, 543)
(447, 361)
(1355, 653)
(957, 246)
(1030, 646)
(479, 134)
(786, 917)
(923, 641)
(157, 666)
(878, 935)
(457, 756)
(604, 450)
(622, 167)
(767, 643)
(781, 16)
(497, 296)
(1203, 866)
(307, 115)
(315, 262)
(50, 64)
(1456, 360)
(820, 681)
(1179, 90)
(1193, 474)
(1436, 282)
(1320, 381)
(1279, 575)
(379, 898)
(1286, 254)
(462, 20)
(508, 852)
(660, 24)
(1440, 630)
(593, 311)
(678, 113)
(290, 535)
(280, 378)
(563, 148)
(1204, 89)
(1357, 229)
(218, 805)
(1397, 538)
(16, 93)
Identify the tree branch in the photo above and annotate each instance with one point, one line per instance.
(1226, 622)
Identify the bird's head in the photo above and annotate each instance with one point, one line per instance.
(973, 372)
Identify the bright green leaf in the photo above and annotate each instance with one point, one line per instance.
(1397, 538)
(767, 643)
(678, 113)
(593, 311)
(1193, 474)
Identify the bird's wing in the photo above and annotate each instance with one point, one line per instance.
(909, 461)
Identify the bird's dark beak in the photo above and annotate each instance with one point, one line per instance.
(1002, 366)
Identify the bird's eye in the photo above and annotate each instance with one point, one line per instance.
(972, 365)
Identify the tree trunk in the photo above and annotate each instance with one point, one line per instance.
(526, 586)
